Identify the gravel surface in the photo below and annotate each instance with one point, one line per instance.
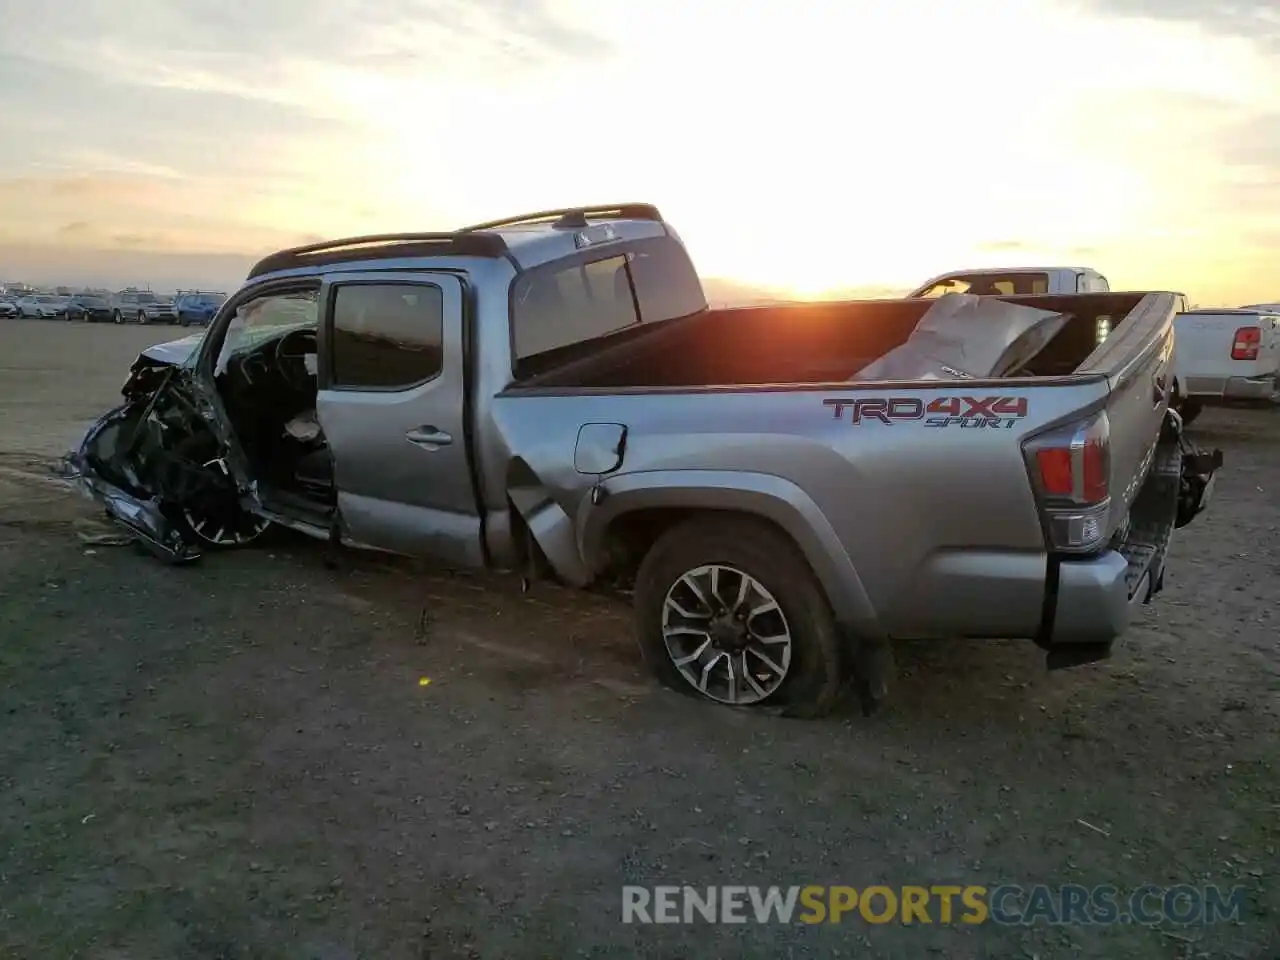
(258, 756)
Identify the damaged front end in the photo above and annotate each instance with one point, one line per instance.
(157, 467)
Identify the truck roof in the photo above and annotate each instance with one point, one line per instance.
(527, 240)
(981, 271)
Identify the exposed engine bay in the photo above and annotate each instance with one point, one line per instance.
(158, 462)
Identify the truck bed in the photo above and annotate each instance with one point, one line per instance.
(804, 343)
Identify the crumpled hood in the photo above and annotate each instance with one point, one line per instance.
(180, 353)
(174, 352)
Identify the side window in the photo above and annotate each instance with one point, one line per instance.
(263, 318)
(387, 336)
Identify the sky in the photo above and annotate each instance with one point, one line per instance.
(809, 147)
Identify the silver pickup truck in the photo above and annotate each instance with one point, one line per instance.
(550, 394)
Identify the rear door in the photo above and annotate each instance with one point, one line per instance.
(391, 387)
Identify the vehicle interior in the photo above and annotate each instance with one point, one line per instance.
(266, 375)
(806, 343)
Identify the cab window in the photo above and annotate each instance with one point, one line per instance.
(608, 291)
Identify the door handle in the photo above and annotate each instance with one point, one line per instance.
(428, 437)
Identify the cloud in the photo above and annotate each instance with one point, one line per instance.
(141, 241)
(315, 56)
(101, 161)
(1253, 142)
(76, 188)
(1254, 20)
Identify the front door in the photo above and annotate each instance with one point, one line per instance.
(390, 403)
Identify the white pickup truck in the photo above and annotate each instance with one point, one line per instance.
(1014, 281)
(1225, 355)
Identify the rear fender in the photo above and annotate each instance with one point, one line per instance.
(762, 495)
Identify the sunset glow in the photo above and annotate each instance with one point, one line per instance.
(807, 146)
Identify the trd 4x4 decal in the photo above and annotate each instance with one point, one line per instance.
(972, 412)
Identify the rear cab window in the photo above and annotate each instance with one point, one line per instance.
(992, 284)
(603, 291)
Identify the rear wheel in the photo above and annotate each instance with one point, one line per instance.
(728, 610)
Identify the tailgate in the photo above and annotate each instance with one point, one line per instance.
(1138, 363)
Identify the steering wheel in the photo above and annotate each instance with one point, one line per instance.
(252, 365)
(291, 352)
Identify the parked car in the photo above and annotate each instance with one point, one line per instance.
(1010, 281)
(8, 309)
(89, 307)
(43, 306)
(551, 394)
(1225, 356)
(197, 309)
(141, 306)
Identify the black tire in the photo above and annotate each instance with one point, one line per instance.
(815, 677)
(1189, 410)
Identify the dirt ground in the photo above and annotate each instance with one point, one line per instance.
(245, 759)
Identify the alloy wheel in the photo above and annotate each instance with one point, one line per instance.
(726, 634)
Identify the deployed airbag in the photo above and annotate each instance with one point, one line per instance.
(966, 336)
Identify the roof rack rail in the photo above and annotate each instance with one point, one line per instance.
(381, 246)
(574, 217)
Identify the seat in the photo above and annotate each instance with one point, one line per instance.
(304, 428)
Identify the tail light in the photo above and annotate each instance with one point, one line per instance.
(1071, 467)
(1244, 346)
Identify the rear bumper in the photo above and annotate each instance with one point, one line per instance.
(1231, 388)
(1096, 596)
(1093, 603)
(1250, 388)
